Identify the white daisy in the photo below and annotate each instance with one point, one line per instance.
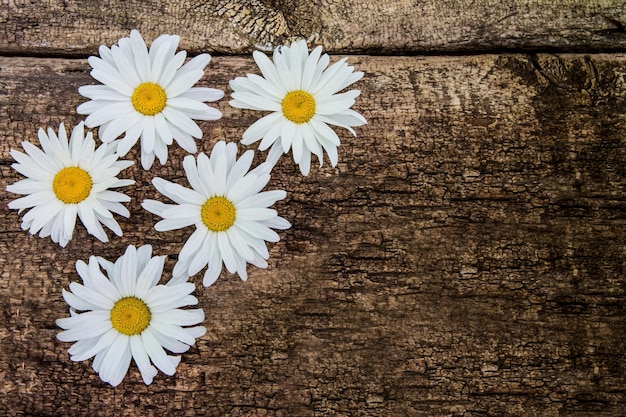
(301, 94)
(148, 94)
(232, 216)
(69, 179)
(128, 315)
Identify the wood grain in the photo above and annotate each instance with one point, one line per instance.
(59, 27)
(465, 258)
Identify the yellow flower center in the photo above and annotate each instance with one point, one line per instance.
(72, 185)
(149, 99)
(130, 316)
(298, 106)
(218, 214)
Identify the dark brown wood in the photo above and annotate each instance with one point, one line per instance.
(349, 26)
(466, 257)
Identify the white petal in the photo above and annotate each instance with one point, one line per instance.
(191, 170)
(201, 257)
(110, 113)
(272, 158)
(156, 353)
(185, 105)
(178, 193)
(156, 207)
(203, 94)
(281, 63)
(220, 173)
(183, 211)
(183, 139)
(311, 142)
(183, 82)
(309, 68)
(267, 68)
(212, 273)
(260, 128)
(264, 199)
(305, 163)
(31, 200)
(29, 169)
(245, 100)
(148, 372)
(83, 326)
(112, 78)
(197, 63)
(205, 171)
(174, 224)
(116, 362)
(149, 276)
(147, 159)
(258, 230)
(171, 330)
(45, 162)
(81, 350)
(91, 296)
(101, 92)
(227, 253)
(162, 298)
(287, 134)
(170, 68)
(131, 137)
(297, 146)
(100, 345)
(187, 317)
(182, 122)
(323, 132)
(128, 272)
(147, 137)
(189, 250)
(76, 302)
(126, 68)
(239, 244)
(257, 214)
(270, 137)
(170, 343)
(277, 223)
(243, 188)
(144, 254)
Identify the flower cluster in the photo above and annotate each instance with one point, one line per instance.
(149, 95)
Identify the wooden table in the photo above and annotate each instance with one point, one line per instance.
(465, 258)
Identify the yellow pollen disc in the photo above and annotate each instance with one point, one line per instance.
(298, 106)
(149, 99)
(130, 316)
(72, 185)
(218, 214)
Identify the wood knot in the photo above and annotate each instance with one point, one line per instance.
(578, 74)
(268, 23)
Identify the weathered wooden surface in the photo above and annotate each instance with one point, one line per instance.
(466, 257)
(347, 26)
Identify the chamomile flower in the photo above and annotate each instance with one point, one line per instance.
(231, 214)
(148, 95)
(127, 315)
(302, 96)
(67, 179)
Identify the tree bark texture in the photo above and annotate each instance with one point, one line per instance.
(465, 258)
(64, 27)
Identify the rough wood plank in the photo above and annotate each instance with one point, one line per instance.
(466, 257)
(352, 26)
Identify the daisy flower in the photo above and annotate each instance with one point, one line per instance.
(127, 315)
(231, 214)
(302, 96)
(67, 179)
(148, 94)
